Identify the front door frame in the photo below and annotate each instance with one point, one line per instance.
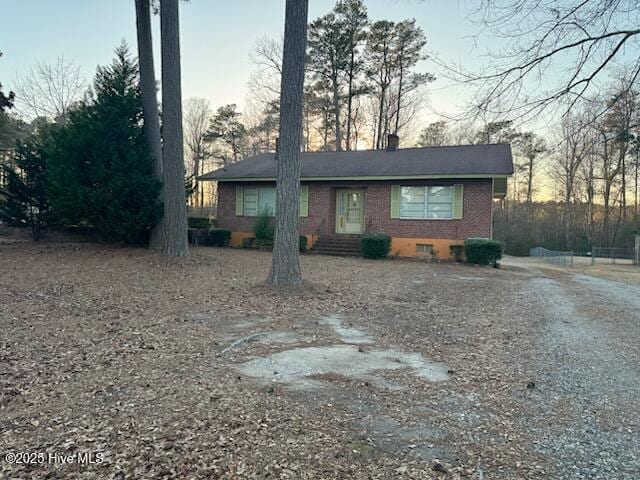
(341, 224)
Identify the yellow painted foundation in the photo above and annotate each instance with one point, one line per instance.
(401, 247)
(237, 238)
(407, 247)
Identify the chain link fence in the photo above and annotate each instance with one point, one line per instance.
(613, 255)
(597, 255)
(553, 256)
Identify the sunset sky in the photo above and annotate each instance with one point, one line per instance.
(217, 38)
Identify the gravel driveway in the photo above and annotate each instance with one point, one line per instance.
(586, 362)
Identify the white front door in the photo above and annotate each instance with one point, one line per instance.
(350, 211)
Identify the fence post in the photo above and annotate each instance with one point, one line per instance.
(593, 255)
(571, 258)
(637, 252)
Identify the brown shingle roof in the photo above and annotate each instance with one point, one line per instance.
(450, 161)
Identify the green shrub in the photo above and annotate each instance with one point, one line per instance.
(483, 251)
(456, 252)
(302, 239)
(375, 246)
(248, 242)
(218, 237)
(263, 227)
(200, 222)
(197, 236)
(263, 243)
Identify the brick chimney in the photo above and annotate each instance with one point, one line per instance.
(393, 141)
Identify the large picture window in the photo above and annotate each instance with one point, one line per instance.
(258, 200)
(252, 201)
(426, 202)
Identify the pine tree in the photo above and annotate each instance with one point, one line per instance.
(285, 264)
(100, 170)
(23, 198)
(174, 239)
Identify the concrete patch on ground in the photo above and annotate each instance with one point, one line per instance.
(225, 322)
(391, 436)
(347, 334)
(293, 366)
(277, 337)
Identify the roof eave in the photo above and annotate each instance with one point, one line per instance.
(362, 177)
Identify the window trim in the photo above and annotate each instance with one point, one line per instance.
(257, 202)
(240, 203)
(426, 203)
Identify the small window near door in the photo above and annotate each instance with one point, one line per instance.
(424, 249)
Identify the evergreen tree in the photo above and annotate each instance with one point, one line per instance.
(226, 127)
(101, 172)
(6, 101)
(23, 195)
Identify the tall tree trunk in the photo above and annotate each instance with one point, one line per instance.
(399, 104)
(635, 190)
(350, 96)
(175, 243)
(151, 126)
(285, 265)
(336, 113)
(196, 173)
(623, 185)
(380, 118)
(530, 182)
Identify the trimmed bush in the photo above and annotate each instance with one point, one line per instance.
(375, 246)
(197, 236)
(483, 251)
(263, 244)
(218, 237)
(199, 223)
(456, 252)
(248, 242)
(302, 242)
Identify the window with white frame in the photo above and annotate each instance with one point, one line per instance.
(258, 200)
(426, 202)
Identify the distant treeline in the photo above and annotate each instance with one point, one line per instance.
(523, 226)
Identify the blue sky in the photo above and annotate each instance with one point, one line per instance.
(217, 37)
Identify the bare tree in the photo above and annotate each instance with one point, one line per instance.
(148, 92)
(566, 166)
(530, 147)
(581, 41)
(49, 90)
(285, 266)
(175, 242)
(267, 57)
(197, 114)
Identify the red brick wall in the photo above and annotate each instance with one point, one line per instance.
(476, 221)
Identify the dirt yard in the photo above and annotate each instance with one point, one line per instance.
(374, 369)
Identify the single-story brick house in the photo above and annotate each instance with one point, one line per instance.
(426, 199)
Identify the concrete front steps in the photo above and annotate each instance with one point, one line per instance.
(340, 245)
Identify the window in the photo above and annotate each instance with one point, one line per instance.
(250, 201)
(426, 249)
(426, 202)
(258, 200)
